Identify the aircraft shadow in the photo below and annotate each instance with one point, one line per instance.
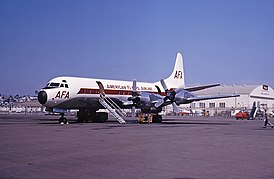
(164, 123)
(194, 123)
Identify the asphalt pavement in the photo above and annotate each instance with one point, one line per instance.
(36, 146)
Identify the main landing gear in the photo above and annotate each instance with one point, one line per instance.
(157, 118)
(149, 118)
(86, 115)
(150, 115)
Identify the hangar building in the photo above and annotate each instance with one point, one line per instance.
(263, 95)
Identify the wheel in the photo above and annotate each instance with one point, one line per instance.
(157, 119)
(60, 120)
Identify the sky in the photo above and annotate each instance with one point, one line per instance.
(227, 42)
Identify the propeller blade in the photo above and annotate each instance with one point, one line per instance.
(133, 113)
(134, 87)
(159, 103)
(134, 94)
(175, 107)
(164, 84)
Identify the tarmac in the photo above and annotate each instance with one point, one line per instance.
(36, 146)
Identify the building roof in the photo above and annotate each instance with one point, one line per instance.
(230, 89)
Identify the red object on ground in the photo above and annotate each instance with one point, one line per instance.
(242, 115)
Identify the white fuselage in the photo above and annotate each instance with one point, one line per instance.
(76, 92)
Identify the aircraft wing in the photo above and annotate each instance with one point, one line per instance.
(197, 88)
(199, 98)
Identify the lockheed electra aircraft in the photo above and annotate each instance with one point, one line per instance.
(88, 95)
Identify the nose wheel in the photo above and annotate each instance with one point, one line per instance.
(62, 119)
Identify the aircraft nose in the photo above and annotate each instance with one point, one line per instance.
(42, 97)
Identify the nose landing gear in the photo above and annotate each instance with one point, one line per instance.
(62, 119)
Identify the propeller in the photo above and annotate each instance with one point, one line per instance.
(170, 95)
(134, 94)
(134, 98)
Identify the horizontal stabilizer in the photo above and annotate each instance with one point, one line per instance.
(197, 88)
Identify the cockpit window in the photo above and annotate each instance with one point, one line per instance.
(56, 85)
(64, 85)
(52, 85)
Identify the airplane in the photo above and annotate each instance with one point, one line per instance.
(88, 95)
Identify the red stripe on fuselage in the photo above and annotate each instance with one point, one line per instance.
(111, 92)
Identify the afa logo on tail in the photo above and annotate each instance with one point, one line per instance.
(178, 75)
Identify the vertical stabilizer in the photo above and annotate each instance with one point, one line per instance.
(177, 77)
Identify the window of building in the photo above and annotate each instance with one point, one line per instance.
(192, 105)
(222, 105)
(202, 105)
(211, 105)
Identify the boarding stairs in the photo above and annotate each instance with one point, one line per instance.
(112, 108)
